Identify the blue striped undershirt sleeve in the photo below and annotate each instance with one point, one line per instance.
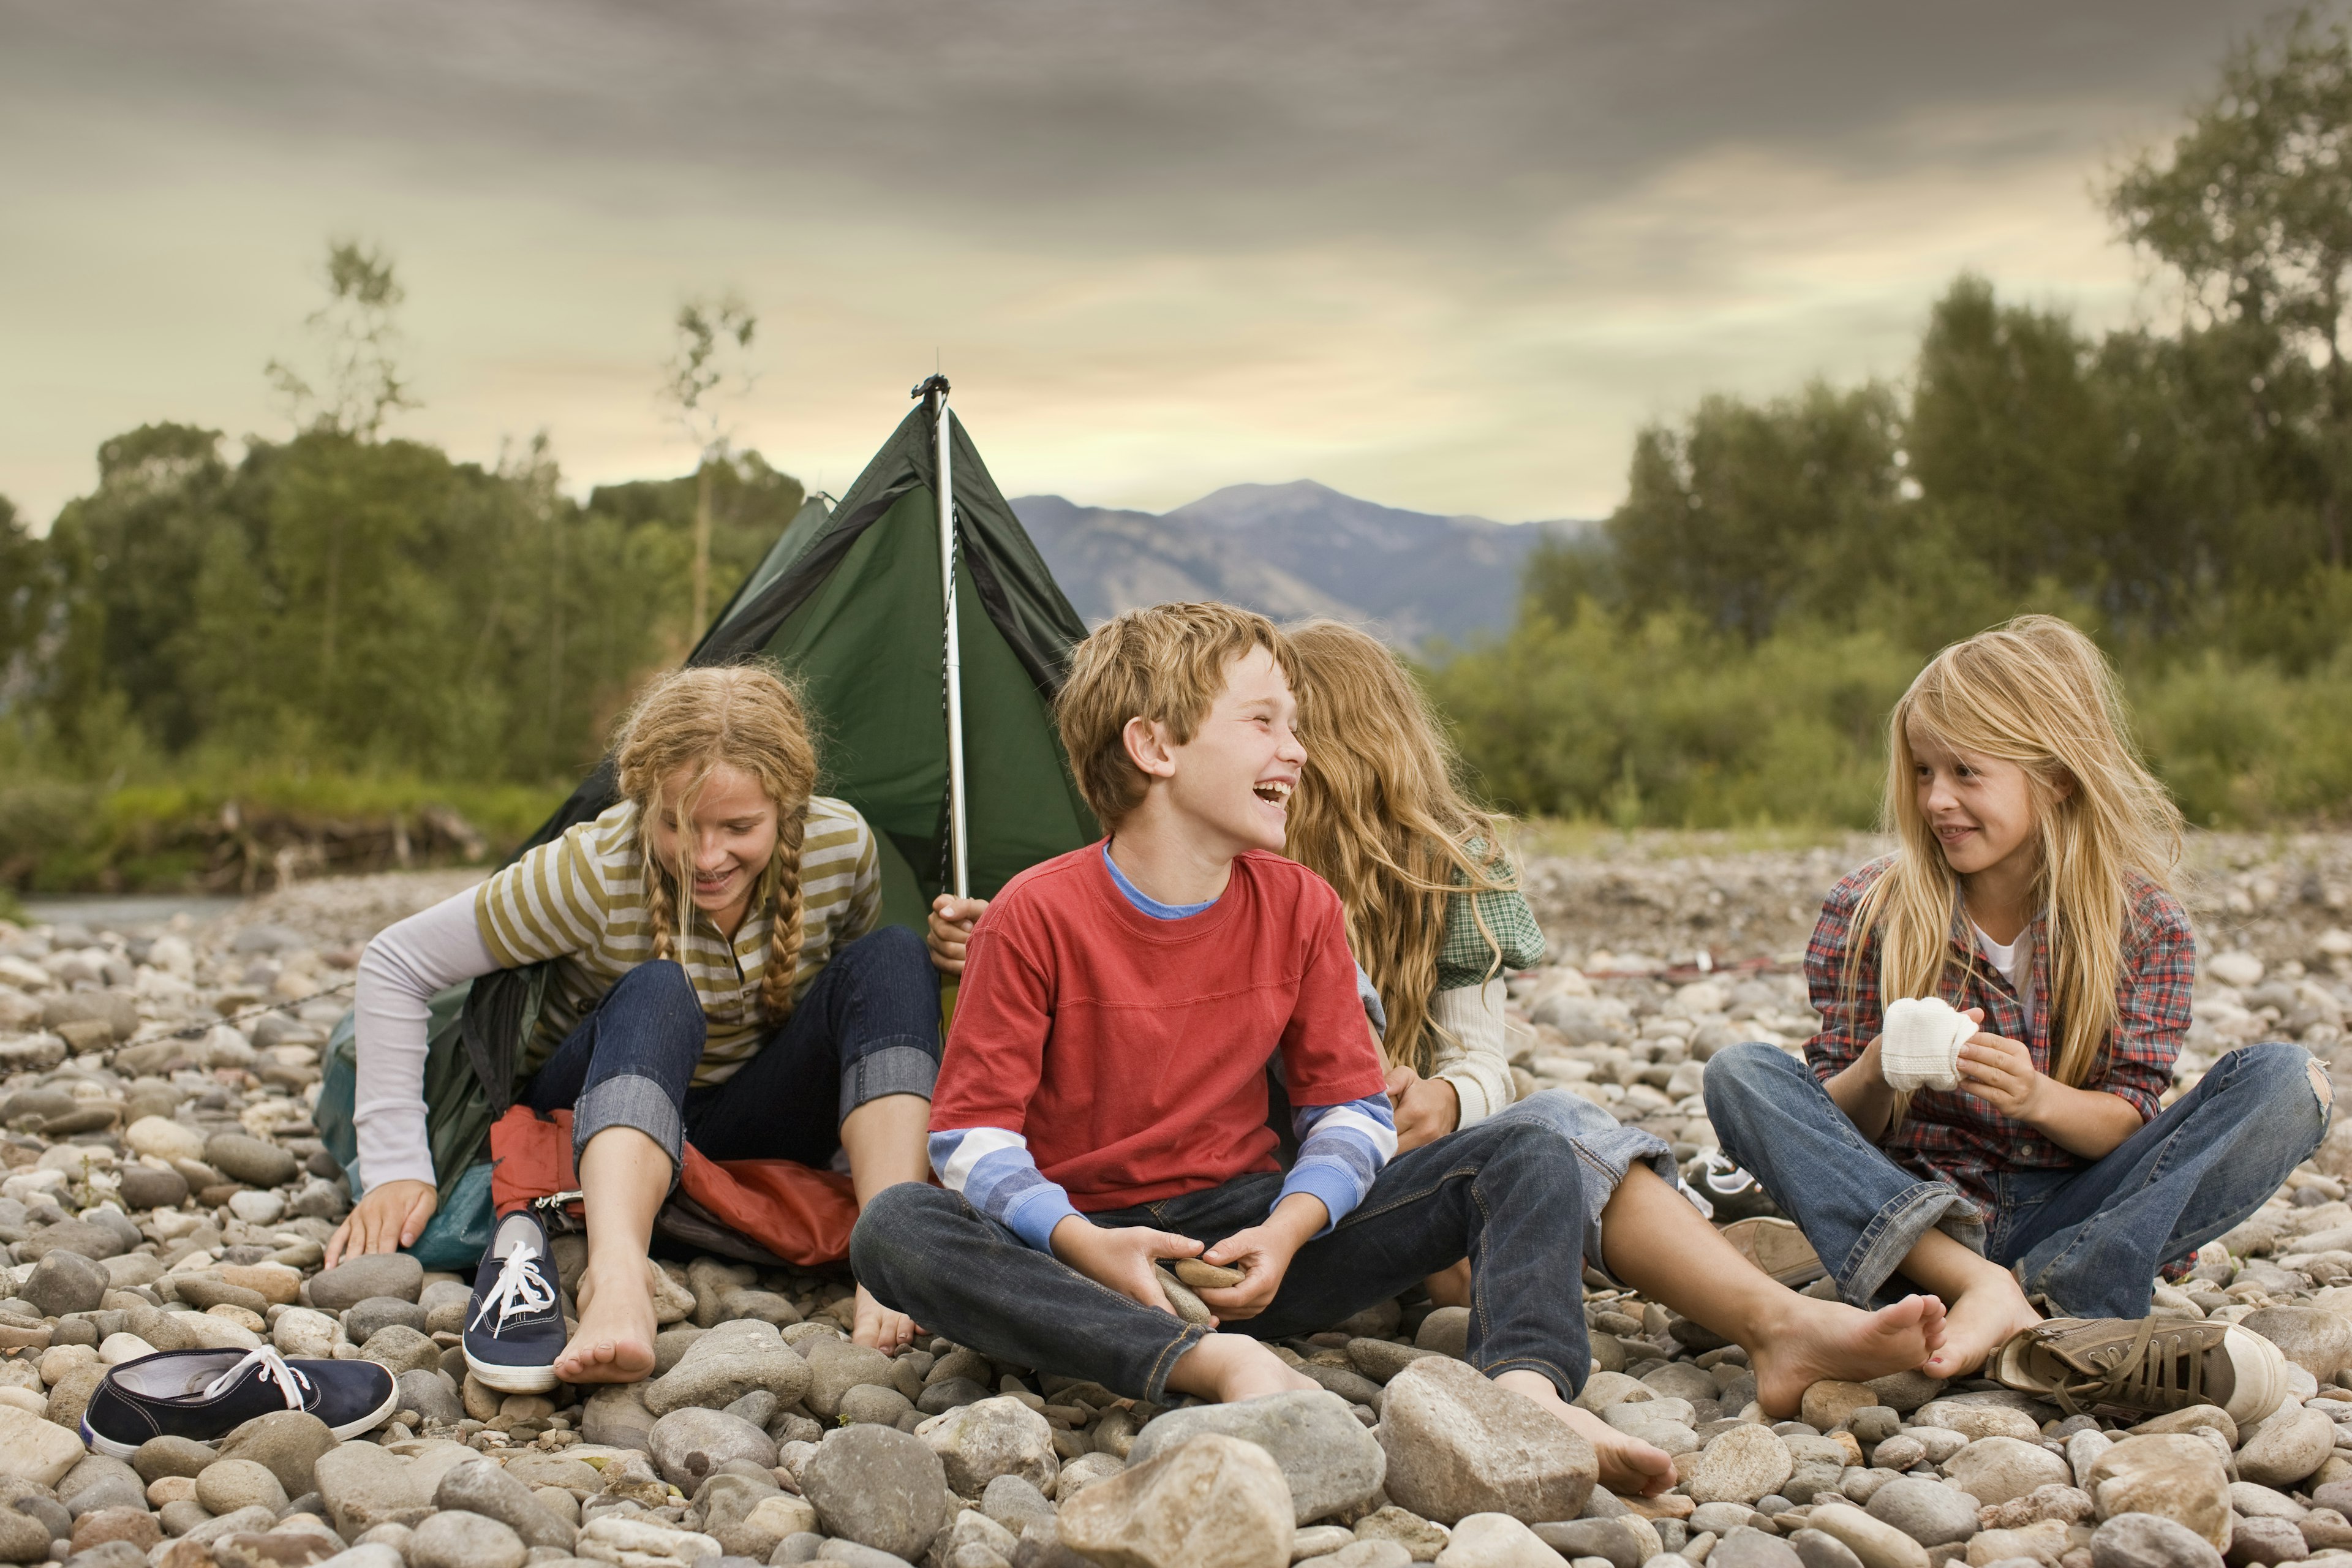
(1340, 1149)
(991, 1169)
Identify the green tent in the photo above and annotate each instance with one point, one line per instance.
(850, 599)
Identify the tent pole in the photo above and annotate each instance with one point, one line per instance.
(959, 857)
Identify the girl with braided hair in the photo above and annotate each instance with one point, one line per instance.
(719, 977)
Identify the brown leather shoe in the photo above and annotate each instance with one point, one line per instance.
(2144, 1366)
(1778, 1249)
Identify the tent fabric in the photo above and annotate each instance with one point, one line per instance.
(848, 601)
(787, 1211)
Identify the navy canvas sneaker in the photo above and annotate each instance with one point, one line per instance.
(514, 1325)
(207, 1395)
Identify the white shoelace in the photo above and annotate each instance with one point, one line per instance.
(273, 1370)
(519, 1290)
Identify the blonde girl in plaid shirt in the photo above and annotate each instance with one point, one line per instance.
(2031, 833)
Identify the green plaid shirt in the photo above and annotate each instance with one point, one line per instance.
(1464, 954)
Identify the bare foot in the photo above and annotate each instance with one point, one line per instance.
(1816, 1340)
(1628, 1465)
(1990, 1313)
(879, 1326)
(1450, 1287)
(614, 1341)
(1227, 1367)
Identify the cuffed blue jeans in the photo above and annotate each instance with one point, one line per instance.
(869, 1026)
(1605, 1150)
(2090, 1238)
(1502, 1194)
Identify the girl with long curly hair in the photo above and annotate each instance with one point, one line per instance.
(719, 977)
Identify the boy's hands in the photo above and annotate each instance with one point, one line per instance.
(1121, 1257)
(2000, 1072)
(949, 929)
(1263, 1253)
(1427, 1109)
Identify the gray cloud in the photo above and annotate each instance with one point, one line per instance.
(1491, 234)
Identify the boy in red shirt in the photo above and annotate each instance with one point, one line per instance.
(1101, 1107)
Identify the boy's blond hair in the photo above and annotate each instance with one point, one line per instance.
(1164, 664)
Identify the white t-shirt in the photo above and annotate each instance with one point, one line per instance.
(2004, 959)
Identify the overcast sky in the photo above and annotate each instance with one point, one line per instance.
(1447, 256)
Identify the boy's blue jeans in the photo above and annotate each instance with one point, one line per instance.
(1502, 1194)
(869, 1026)
(2090, 1240)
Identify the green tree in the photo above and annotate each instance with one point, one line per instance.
(2252, 206)
(707, 368)
(358, 383)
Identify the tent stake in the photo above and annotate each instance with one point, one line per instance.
(942, 430)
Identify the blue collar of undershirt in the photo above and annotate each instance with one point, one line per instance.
(1144, 901)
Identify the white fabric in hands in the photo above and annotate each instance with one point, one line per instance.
(1920, 1045)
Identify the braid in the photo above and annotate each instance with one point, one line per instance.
(784, 933)
(661, 898)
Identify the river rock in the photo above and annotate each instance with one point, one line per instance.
(453, 1538)
(2318, 1341)
(636, 1542)
(164, 1139)
(1210, 1502)
(377, 1274)
(363, 1485)
(228, 1485)
(1495, 1540)
(1000, 1437)
(1748, 1548)
(740, 1358)
(834, 1367)
(1610, 1538)
(2150, 1541)
(1974, 1420)
(1927, 1511)
(397, 1348)
(2176, 1475)
(1878, 1543)
(483, 1486)
(1995, 1469)
(692, 1443)
(1457, 1445)
(1740, 1465)
(33, 1449)
(1331, 1464)
(880, 1488)
(2287, 1446)
(615, 1417)
(288, 1443)
(256, 1161)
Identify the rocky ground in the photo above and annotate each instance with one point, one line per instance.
(167, 1190)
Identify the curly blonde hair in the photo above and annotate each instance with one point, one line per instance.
(1380, 817)
(2038, 693)
(691, 721)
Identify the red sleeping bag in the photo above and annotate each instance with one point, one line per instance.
(791, 1212)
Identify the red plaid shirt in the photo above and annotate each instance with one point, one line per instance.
(1955, 1137)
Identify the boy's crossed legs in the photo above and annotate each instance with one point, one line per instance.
(1502, 1194)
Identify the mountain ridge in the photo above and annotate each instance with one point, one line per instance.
(1291, 551)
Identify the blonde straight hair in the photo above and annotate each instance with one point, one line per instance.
(2038, 693)
(1380, 817)
(694, 719)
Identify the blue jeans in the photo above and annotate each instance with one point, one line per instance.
(1502, 1194)
(1605, 1150)
(2090, 1240)
(869, 1026)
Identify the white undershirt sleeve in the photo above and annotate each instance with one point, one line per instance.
(1480, 1070)
(400, 974)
